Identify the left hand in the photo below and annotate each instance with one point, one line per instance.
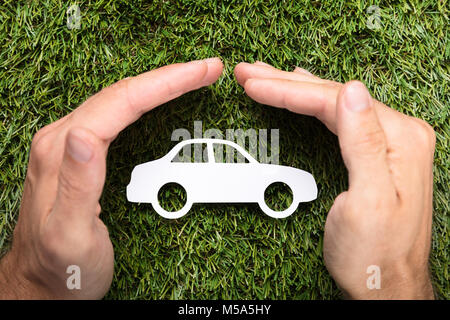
(59, 222)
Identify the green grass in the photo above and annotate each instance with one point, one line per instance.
(47, 70)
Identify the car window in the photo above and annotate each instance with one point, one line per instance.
(193, 152)
(224, 153)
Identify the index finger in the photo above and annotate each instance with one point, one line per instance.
(303, 94)
(117, 106)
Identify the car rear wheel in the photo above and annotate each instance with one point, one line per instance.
(172, 201)
(278, 200)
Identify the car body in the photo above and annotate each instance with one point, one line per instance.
(217, 182)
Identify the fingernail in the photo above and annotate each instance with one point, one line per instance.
(356, 96)
(212, 60)
(78, 149)
(207, 60)
(257, 62)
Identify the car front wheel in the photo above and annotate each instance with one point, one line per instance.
(278, 200)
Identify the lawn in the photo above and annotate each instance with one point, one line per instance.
(221, 251)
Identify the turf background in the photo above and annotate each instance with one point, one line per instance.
(47, 70)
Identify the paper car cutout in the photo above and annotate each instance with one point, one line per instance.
(213, 181)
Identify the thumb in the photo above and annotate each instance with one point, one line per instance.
(82, 175)
(361, 137)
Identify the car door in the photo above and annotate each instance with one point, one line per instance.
(191, 168)
(232, 175)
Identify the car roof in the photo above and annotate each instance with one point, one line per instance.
(209, 140)
(213, 140)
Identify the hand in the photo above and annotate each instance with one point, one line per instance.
(384, 219)
(59, 221)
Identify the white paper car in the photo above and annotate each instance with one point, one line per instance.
(215, 181)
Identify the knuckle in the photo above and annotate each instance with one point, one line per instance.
(62, 245)
(121, 89)
(69, 187)
(52, 244)
(423, 133)
(370, 143)
(120, 85)
(41, 145)
(345, 213)
(327, 111)
(366, 204)
(37, 137)
(98, 209)
(337, 207)
(374, 138)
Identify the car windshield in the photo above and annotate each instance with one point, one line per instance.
(192, 152)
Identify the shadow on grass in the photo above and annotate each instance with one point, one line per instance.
(145, 242)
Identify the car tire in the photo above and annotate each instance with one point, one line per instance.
(171, 214)
(278, 214)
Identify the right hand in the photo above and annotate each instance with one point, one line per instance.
(384, 219)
